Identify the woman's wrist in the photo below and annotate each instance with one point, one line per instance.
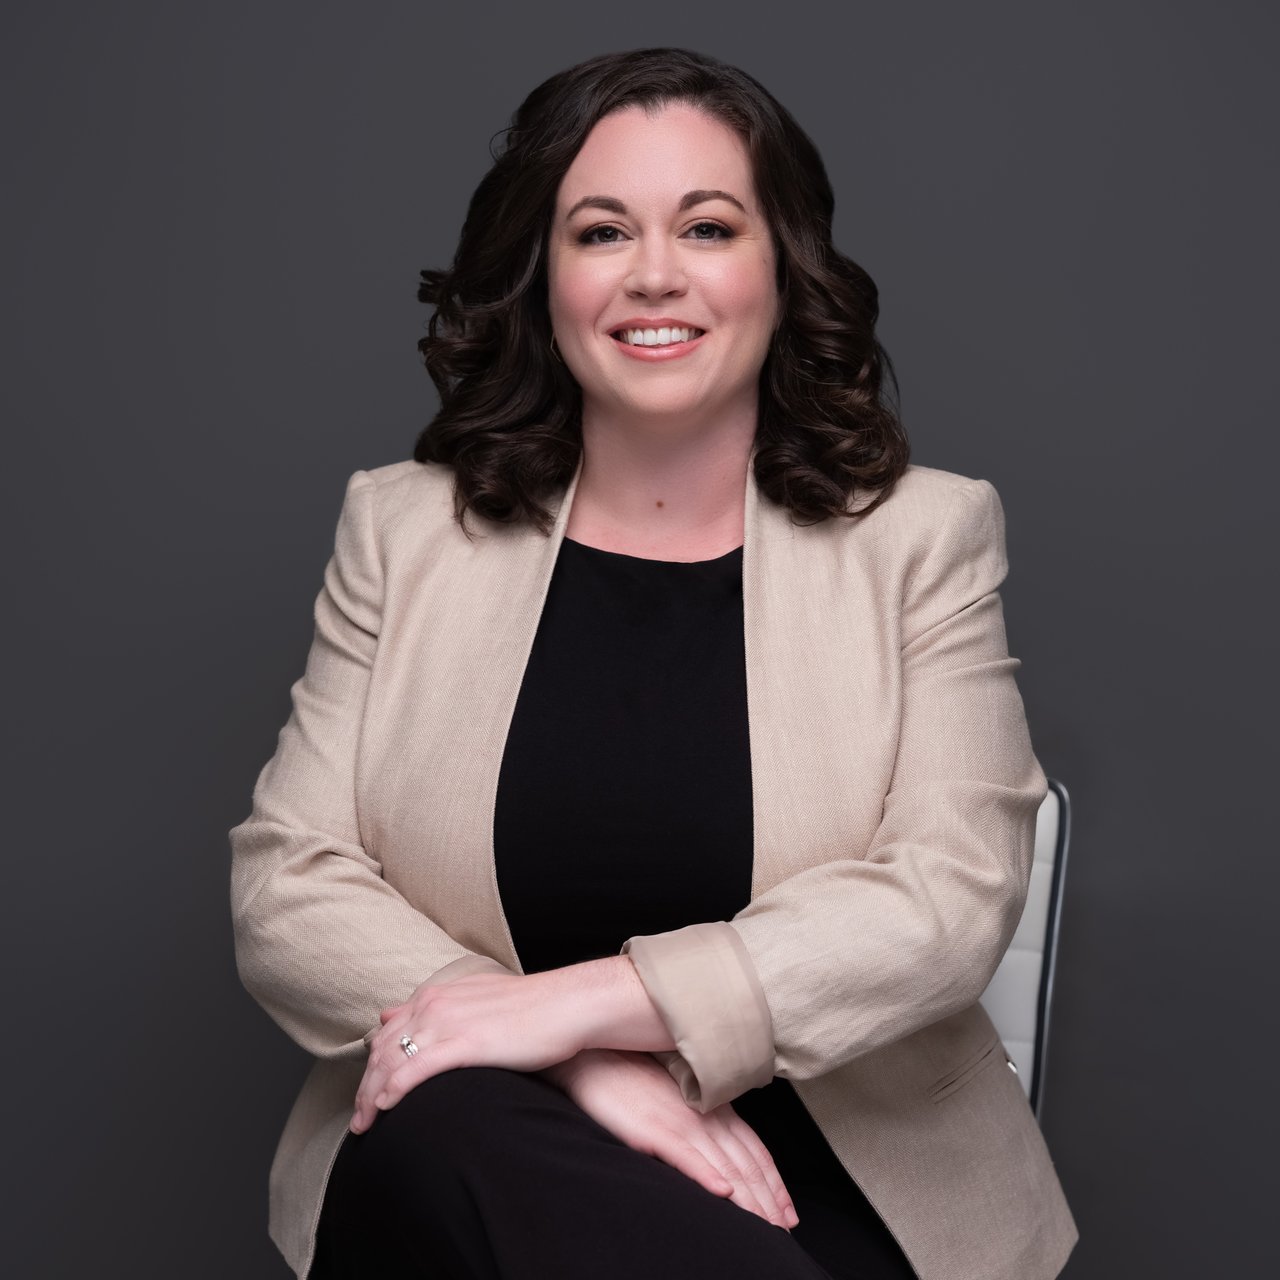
(563, 1074)
(611, 1007)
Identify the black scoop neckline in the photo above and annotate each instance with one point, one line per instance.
(678, 564)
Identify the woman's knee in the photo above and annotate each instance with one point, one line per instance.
(475, 1094)
(461, 1112)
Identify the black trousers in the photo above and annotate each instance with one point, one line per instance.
(487, 1174)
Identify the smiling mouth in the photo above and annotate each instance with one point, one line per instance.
(655, 337)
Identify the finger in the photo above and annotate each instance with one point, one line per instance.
(432, 1060)
(726, 1164)
(370, 1085)
(393, 1020)
(753, 1174)
(687, 1159)
(385, 1055)
(754, 1144)
(762, 1155)
(363, 1110)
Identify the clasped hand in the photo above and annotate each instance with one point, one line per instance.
(524, 1022)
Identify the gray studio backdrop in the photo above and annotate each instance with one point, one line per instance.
(215, 217)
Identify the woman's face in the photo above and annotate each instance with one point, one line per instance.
(656, 226)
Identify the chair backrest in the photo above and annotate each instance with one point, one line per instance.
(1020, 994)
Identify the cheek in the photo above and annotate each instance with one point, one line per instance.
(747, 294)
(576, 293)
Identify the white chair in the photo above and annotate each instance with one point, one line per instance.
(1020, 994)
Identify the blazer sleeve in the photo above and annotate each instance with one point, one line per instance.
(848, 956)
(322, 941)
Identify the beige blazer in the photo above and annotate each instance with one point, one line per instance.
(894, 796)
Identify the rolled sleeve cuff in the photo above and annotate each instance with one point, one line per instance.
(462, 967)
(703, 983)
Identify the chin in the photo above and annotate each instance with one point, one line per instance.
(668, 410)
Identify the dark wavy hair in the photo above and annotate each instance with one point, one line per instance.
(510, 419)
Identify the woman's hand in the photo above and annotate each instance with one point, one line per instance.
(520, 1021)
(523, 1022)
(634, 1097)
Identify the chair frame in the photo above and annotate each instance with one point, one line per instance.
(1049, 963)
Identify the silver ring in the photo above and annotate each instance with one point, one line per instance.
(408, 1046)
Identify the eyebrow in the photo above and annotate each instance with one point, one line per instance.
(687, 201)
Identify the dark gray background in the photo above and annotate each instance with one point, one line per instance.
(216, 216)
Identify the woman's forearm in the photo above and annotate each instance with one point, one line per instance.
(613, 1007)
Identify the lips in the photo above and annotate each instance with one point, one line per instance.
(656, 335)
(655, 352)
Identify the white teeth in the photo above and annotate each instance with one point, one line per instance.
(657, 337)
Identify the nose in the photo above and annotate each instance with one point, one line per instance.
(655, 269)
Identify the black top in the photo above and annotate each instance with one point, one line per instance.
(624, 796)
(624, 799)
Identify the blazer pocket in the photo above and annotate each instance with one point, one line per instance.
(991, 1051)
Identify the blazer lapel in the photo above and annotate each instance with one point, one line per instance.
(469, 611)
(819, 641)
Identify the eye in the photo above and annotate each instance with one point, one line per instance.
(725, 233)
(587, 237)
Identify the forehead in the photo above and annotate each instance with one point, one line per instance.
(651, 161)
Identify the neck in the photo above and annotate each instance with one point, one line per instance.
(662, 494)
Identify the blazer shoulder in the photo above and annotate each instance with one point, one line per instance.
(924, 499)
(930, 487)
(948, 521)
(418, 493)
(412, 477)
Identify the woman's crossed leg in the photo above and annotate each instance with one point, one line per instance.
(482, 1173)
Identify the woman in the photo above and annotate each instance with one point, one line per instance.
(590, 959)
